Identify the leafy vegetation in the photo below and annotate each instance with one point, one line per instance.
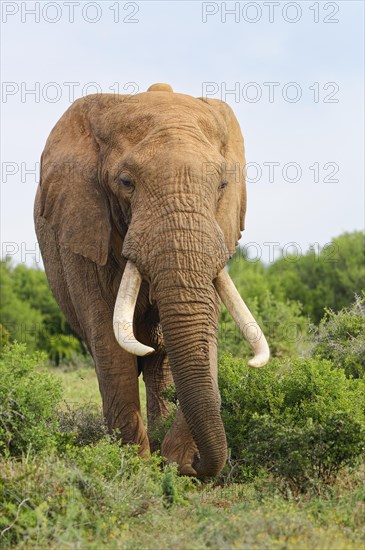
(30, 314)
(300, 420)
(90, 493)
(28, 399)
(106, 497)
(341, 338)
(4, 337)
(328, 279)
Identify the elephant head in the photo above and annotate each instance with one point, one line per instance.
(158, 179)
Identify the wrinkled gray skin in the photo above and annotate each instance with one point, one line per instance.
(143, 178)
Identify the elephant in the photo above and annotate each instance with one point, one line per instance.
(140, 205)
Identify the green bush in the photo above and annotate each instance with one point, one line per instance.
(23, 322)
(28, 400)
(62, 347)
(325, 278)
(340, 337)
(30, 313)
(84, 424)
(4, 337)
(301, 420)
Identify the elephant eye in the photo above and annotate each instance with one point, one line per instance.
(126, 182)
(223, 185)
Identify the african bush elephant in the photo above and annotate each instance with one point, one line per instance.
(140, 206)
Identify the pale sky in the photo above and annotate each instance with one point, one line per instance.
(296, 69)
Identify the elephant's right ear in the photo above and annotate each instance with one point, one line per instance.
(70, 196)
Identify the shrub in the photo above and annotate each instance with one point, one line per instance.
(28, 399)
(23, 322)
(30, 313)
(301, 420)
(4, 337)
(340, 337)
(84, 424)
(329, 277)
(62, 347)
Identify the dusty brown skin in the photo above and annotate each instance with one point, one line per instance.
(156, 179)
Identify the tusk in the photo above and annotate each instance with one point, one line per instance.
(124, 312)
(244, 319)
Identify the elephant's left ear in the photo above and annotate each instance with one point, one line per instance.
(232, 206)
(70, 196)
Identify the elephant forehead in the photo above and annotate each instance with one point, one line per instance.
(182, 109)
(159, 112)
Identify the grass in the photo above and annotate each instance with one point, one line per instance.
(80, 504)
(80, 386)
(241, 517)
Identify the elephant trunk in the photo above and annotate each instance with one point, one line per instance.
(188, 314)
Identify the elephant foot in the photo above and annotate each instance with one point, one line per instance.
(179, 446)
(187, 470)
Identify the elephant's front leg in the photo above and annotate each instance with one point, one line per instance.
(117, 373)
(84, 291)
